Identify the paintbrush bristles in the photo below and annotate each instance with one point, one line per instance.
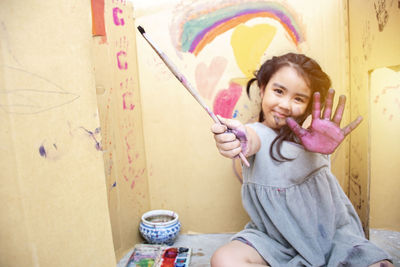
(141, 30)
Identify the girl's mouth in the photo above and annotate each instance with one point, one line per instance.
(280, 115)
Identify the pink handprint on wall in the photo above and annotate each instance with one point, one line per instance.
(118, 21)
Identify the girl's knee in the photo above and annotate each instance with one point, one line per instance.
(236, 253)
(220, 258)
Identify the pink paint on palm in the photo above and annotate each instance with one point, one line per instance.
(207, 77)
(324, 135)
(225, 101)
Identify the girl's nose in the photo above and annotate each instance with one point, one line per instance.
(285, 103)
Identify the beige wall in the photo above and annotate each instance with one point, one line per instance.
(186, 173)
(374, 43)
(385, 149)
(53, 194)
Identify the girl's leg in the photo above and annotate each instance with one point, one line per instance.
(382, 264)
(237, 254)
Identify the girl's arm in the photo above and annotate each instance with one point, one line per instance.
(239, 138)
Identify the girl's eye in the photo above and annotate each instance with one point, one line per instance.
(299, 100)
(278, 91)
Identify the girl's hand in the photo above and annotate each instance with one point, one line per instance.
(230, 137)
(324, 135)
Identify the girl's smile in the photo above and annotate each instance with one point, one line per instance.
(286, 95)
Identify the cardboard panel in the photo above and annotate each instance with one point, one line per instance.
(186, 172)
(374, 43)
(53, 194)
(118, 98)
(385, 149)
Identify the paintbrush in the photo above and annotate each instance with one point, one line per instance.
(185, 82)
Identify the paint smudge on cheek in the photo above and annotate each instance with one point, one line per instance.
(383, 264)
(276, 119)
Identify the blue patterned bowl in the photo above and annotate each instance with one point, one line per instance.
(160, 226)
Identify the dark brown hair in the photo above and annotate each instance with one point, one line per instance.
(316, 79)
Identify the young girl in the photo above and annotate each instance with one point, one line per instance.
(300, 215)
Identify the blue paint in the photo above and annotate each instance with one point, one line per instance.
(114, 184)
(235, 114)
(98, 145)
(42, 151)
(322, 230)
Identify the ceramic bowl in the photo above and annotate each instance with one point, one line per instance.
(160, 226)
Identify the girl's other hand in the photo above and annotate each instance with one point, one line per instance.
(324, 135)
(230, 137)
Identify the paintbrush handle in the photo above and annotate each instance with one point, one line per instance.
(179, 76)
(185, 83)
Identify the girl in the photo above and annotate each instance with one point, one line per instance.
(300, 215)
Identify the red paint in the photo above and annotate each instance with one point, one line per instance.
(124, 65)
(169, 256)
(128, 96)
(118, 21)
(128, 149)
(225, 101)
(98, 26)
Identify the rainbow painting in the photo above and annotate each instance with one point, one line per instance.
(202, 28)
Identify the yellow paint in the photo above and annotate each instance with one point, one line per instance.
(249, 43)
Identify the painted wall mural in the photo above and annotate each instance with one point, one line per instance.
(242, 32)
(208, 23)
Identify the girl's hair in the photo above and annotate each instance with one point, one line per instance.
(316, 79)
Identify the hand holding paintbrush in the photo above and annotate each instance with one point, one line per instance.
(185, 83)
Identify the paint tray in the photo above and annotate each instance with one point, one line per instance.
(146, 255)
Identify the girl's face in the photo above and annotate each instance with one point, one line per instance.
(286, 95)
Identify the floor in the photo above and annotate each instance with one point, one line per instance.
(203, 246)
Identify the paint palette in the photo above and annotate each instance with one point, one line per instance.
(175, 257)
(145, 255)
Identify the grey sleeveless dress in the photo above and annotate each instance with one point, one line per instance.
(299, 214)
